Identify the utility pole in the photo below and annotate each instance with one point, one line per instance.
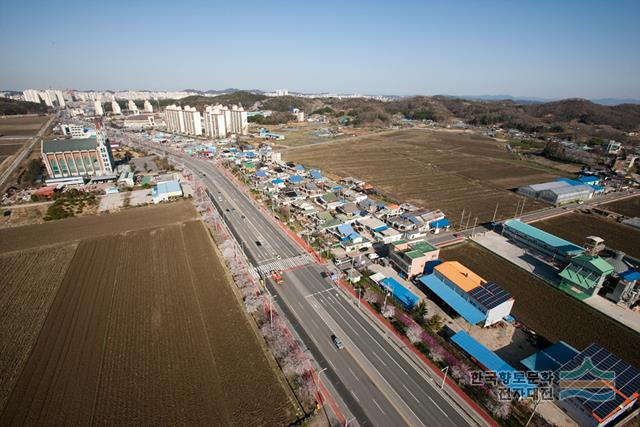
(495, 213)
(468, 219)
(461, 219)
(522, 210)
(475, 222)
(517, 208)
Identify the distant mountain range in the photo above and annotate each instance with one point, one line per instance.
(536, 100)
(516, 99)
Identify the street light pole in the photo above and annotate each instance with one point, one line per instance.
(444, 378)
(346, 423)
(534, 409)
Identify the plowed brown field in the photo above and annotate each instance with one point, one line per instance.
(451, 171)
(576, 226)
(28, 284)
(145, 329)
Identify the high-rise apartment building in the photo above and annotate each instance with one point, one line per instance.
(97, 105)
(132, 107)
(115, 107)
(148, 108)
(214, 122)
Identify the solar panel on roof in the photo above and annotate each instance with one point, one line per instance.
(626, 381)
(490, 295)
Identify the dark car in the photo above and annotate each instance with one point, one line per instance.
(337, 342)
(258, 243)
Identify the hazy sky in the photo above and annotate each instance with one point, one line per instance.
(557, 48)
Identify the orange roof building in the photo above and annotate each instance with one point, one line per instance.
(460, 275)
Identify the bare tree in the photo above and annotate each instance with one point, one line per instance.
(461, 373)
(437, 354)
(500, 408)
(253, 302)
(371, 296)
(389, 311)
(414, 333)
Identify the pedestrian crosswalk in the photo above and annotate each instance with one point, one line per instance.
(281, 264)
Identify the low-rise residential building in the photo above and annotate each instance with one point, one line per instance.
(127, 178)
(411, 258)
(329, 201)
(350, 240)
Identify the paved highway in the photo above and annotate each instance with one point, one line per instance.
(378, 381)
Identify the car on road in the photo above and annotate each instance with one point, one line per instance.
(337, 342)
(258, 243)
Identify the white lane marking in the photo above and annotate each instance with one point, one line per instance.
(377, 343)
(319, 292)
(354, 374)
(378, 357)
(331, 363)
(314, 322)
(354, 395)
(294, 312)
(379, 407)
(409, 391)
(438, 406)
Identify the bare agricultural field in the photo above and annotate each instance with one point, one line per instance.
(30, 280)
(628, 207)
(21, 126)
(550, 312)
(452, 171)
(576, 226)
(75, 229)
(145, 329)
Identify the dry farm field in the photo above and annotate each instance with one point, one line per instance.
(628, 207)
(136, 326)
(576, 226)
(550, 312)
(452, 171)
(24, 126)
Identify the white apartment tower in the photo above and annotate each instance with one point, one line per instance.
(46, 97)
(57, 96)
(98, 107)
(192, 121)
(148, 108)
(214, 123)
(115, 107)
(238, 122)
(174, 118)
(31, 95)
(133, 108)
